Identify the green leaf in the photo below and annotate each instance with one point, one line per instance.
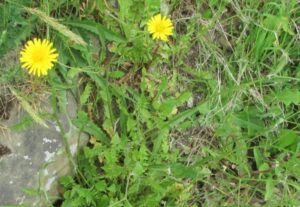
(30, 191)
(97, 29)
(184, 97)
(207, 14)
(138, 169)
(263, 167)
(67, 181)
(288, 96)
(287, 138)
(283, 61)
(249, 119)
(258, 156)
(180, 118)
(101, 186)
(83, 122)
(86, 94)
(182, 171)
(276, 23)
(117, 74)
(25, 122)
(269, 189)
(167, 106)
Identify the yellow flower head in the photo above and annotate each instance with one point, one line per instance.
(160, 27)
(38, 56)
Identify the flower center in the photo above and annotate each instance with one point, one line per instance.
(159, 28)
(38, 56)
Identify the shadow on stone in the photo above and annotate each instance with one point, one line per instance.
(34, 158)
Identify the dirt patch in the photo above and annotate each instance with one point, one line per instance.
(4, 150)
(6, 104)
(191, 140)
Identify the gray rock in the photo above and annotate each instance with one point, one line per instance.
(36, 157)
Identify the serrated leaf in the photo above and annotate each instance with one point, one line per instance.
(138, 169)
(288, 96)
(86, 94)
(101, 186)
(67, 181)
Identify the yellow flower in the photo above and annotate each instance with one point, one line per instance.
(38, 56)
(160, 27)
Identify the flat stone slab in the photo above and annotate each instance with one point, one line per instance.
(35, 157)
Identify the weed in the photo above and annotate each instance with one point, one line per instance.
(209, 118)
